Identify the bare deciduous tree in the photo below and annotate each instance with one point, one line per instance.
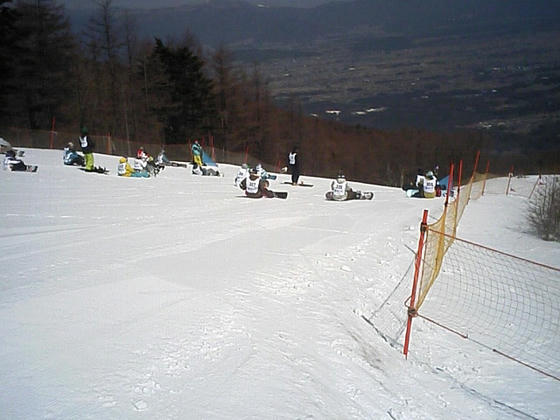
(544, 209)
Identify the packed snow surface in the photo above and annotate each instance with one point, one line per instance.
(176, 297)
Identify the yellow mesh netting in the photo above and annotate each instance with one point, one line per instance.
(437, 245)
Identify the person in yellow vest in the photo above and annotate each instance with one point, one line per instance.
(196, 151)
(430, 182)
(124, 169)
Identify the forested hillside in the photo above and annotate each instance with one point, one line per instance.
(170, 91)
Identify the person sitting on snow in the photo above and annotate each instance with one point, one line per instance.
(242, 173)
(254, 186)
(12, 163)
(340, 190)
(205, 170)
(71, 157)
(124, 169)
(161, 159)
(262, 172)
(430, 182)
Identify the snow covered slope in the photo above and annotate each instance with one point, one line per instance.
(176, 297)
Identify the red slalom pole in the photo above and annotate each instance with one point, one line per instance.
(411, 309)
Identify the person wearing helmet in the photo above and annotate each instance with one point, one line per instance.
(71, 157)
(341, 190)
(124, 169)
(430, 182)
(87, 146)
(140, 154)
(254, 186)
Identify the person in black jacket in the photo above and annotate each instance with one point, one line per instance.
(293, 164)
(87, 147)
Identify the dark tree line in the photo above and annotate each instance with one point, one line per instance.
(172, 91)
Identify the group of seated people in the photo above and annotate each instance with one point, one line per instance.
(143, 166)
(425, 186)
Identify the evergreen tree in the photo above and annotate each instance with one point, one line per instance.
(183, 95)
(8, 50)
(44, 48)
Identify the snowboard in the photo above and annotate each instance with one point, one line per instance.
(96, 169)
(277, 194)
(365, 195)
(31, 168)
(301, 184)
(411, 192)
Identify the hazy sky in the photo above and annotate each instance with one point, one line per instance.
(147, 4)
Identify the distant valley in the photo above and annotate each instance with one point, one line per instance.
(436, 64)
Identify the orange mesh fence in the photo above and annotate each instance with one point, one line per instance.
(45, 139)
(437, 245)
(508, 304)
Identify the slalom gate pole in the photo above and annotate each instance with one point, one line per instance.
(510, 175)
(211, 146)
(246, 154)
(51, 142)
(535, 186)
(449, 184)
(475, 168)
(485, 176)
(460, 175)
(411, 309)
(108, 143)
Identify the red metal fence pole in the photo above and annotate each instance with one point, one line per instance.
(411, 308)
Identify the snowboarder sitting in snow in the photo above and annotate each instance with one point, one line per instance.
(205, 170)
(71, 157)
(262, 172)
(242, 173)
(162, 160)
(14, 164)
(124, 169)
(145, 162)
(255, 186)
(430, 182)
(341, 191)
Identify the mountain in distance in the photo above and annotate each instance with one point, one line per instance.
(150, 4)
(234, 21)
(436, 64)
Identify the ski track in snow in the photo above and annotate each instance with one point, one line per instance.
(171, 298)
